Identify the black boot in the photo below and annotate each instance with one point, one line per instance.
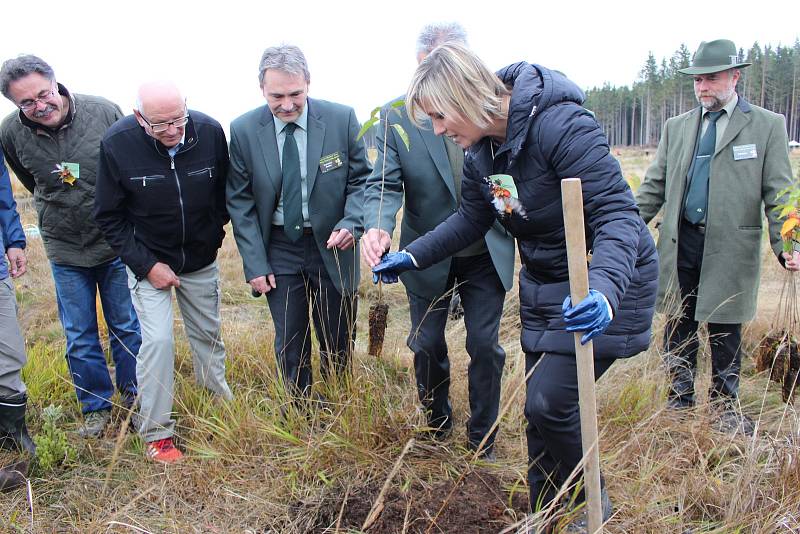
(13, 432)
(13, 476)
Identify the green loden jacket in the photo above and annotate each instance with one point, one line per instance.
(743, 187)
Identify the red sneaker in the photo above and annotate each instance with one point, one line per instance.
(163, 450)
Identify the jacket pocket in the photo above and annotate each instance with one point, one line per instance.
(205, 171)
(198, 189)
(151, 194)
(142, 180)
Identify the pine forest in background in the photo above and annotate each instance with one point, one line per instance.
(636, 115)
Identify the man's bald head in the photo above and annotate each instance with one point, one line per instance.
(161, 111)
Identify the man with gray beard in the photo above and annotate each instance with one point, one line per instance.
(718, 170)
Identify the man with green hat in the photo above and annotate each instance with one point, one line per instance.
(717, 171)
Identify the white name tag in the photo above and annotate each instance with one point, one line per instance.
(744, 152)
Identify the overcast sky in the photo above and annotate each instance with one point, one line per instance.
(360, 53)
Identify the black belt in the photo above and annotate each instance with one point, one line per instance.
(307, 230)
(700, 228)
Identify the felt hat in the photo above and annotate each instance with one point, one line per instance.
(714, 56)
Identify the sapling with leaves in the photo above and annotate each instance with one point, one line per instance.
(789, 209)
(379, 310)
(779, 352)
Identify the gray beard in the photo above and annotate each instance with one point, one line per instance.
(716, 103)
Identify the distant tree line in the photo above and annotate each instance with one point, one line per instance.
(636, 115)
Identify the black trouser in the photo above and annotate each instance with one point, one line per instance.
(554, 422)
(482, 295)
(302, 284)
(680, 336)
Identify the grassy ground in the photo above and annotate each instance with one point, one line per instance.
(248, 469)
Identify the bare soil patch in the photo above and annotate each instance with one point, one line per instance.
(479, 503)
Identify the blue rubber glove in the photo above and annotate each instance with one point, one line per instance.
(391, 265)
(591, 316)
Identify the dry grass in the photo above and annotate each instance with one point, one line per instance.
(248, 469)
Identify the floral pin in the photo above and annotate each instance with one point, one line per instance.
(503, 192)
(68, 172)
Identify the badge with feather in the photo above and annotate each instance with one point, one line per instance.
(504, 193)
(67, 172)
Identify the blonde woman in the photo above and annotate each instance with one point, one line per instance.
(524, 130)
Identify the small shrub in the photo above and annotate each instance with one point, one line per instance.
(52, 448)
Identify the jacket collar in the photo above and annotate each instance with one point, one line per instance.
(315, 136)
(743, 105)
(189, 139)
(438, 153)
(314, 141)
(533, 88)
(691, 128)
(738, 120)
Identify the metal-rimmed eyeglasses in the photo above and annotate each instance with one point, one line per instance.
(28, 105)
(160, 127)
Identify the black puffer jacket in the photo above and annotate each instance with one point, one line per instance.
(154, 208)
(549, 137)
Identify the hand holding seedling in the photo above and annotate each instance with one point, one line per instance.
(374, 244)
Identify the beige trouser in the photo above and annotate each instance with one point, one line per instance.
(199, 301)
(12, 346)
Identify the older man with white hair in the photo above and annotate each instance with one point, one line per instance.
(161, 204)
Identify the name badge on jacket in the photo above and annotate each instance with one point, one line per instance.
(744, 152)
(330, 162)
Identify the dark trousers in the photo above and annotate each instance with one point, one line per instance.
(554, 422)
(680, 337)
(482, 295)
(303, 285)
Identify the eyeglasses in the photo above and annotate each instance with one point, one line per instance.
(28, 105)
(160, 127)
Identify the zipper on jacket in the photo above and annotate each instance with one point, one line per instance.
(183, 218)
(209, 170)
(144, 178)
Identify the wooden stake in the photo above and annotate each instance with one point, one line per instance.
(572, 204)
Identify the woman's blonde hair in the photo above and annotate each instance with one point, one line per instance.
(452, 80)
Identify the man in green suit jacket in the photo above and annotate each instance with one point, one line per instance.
(426, 179)
(295, 196)
(710, 238)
